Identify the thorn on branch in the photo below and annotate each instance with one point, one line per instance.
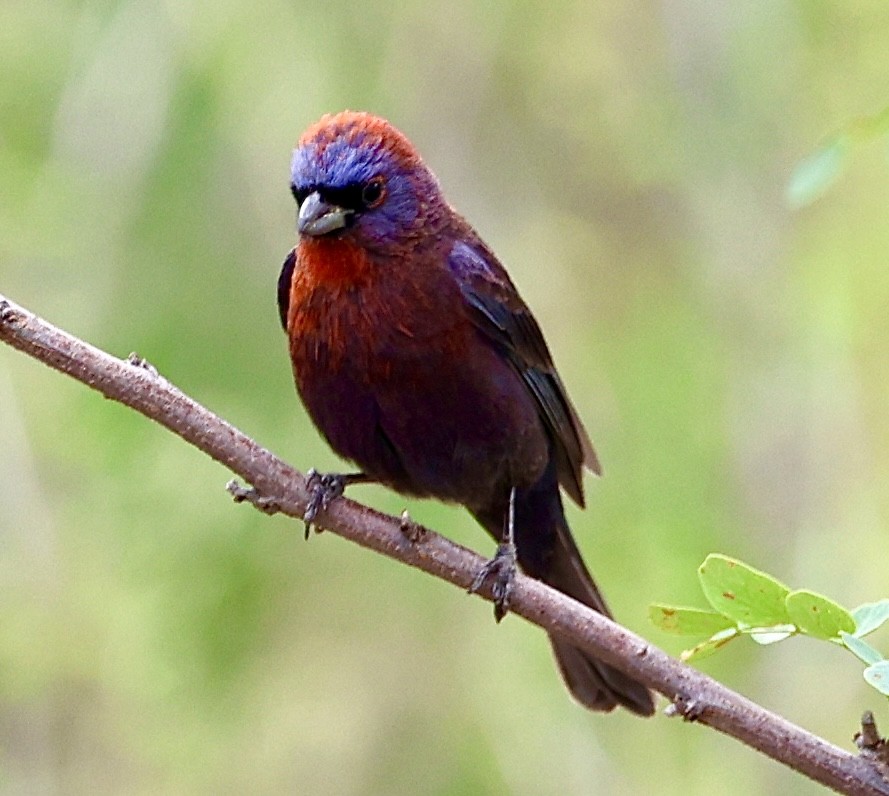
(870, 745)
(7, 313)
(689, 708)
(413, 531)
(244, 494)
(136, 361)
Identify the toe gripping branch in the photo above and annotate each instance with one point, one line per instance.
(502, 567)
(324, 488)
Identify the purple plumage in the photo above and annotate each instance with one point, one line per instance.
(417, 360)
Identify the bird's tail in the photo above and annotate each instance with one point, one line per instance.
(547, 551)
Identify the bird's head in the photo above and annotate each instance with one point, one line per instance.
(354, 176)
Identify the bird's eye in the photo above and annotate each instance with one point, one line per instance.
(373, 191)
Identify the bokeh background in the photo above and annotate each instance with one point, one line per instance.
(628, 162)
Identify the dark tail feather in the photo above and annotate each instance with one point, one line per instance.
(546, 551)
(593, 683)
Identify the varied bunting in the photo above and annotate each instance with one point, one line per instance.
(418, 360)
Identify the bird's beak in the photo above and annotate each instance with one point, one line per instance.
(317, 217)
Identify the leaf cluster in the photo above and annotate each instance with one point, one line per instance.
(747, 602)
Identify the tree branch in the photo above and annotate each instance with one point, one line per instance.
(279, 487)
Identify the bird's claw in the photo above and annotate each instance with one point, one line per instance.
(502, 568)
(323, 488)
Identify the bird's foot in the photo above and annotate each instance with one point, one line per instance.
(502, 568)
(324, 488)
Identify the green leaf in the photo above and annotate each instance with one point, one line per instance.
(877, 675)
(869, 616)
(816, 173)
(687, 621)
(773, 635)
(742, 593)
(713, 644)
(818, 616)
(860, 649)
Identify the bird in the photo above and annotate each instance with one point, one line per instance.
(418, 361)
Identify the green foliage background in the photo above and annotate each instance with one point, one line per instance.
(628, 162)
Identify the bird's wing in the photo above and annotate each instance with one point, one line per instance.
(284, 287)
(499, 312)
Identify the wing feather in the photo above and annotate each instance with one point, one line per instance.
(284, 287)
(499, 313)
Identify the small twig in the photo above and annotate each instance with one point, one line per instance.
(247, 494)
(872, 746)
(689, 709)
(869, 738)
(137, 361)
(278, 486)
(414, 532)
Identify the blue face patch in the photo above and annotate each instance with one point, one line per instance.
(337, 164)
(356, 160)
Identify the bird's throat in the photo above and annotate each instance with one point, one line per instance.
(330, 262)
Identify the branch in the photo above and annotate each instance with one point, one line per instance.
(279, 487)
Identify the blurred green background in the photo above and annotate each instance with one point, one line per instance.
(628, 162)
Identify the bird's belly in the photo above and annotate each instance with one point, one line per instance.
(458, 429)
